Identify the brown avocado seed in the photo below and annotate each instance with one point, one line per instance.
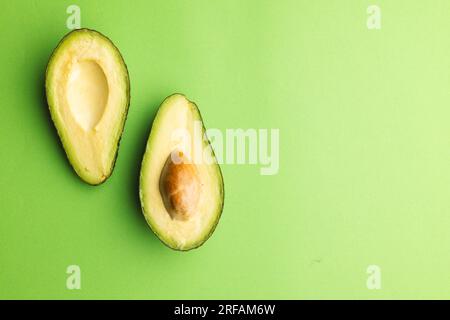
(180, 185)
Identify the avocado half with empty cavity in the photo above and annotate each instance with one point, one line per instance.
(88, 93)
(181, 185)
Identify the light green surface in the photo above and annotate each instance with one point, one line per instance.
(364, 151)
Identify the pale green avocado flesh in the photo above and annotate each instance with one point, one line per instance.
(88, 93)
(181, 185)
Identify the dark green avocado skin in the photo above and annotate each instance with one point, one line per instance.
(128, 97)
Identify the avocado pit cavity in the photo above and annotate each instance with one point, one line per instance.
(87, 93)
(180, 186)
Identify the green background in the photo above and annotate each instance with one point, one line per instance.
(364, 151)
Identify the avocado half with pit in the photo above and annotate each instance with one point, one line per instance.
(181, 185)
(88, 93)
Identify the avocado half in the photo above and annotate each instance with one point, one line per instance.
(181, 185)
(88, 94)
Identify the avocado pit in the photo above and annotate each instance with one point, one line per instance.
(180, 187)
